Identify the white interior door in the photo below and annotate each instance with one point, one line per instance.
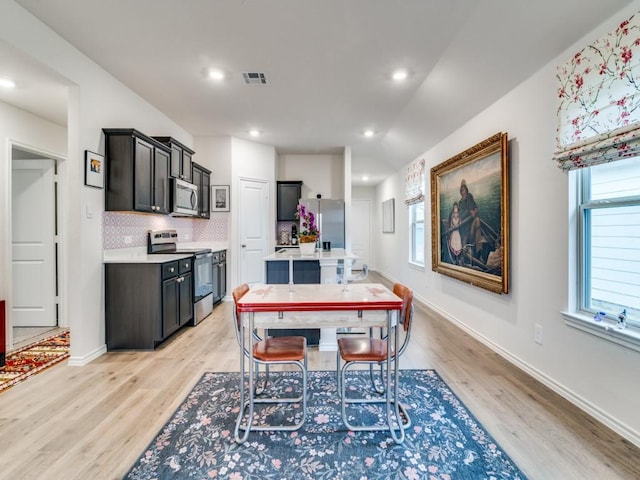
(254, 230)
(33, 300)
(361, 232)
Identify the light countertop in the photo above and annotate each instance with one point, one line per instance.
(120, 256)
(333, 254)
(215, 246)
(140, 255)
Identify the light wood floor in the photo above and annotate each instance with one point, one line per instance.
(92, 422)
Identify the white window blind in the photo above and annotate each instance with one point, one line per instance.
(414, 183)
(599, 100)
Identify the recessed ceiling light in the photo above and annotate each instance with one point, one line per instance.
(368, 133)
(216, 74)
(6, 83)
(399, 75)
(254, 133)
(365, 178)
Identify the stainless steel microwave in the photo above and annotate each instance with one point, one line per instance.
(184, 198)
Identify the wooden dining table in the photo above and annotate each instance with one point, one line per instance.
(360, 305)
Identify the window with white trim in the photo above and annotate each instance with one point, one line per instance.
(416, 235)
(598, 136)
(414, 199)
(609, 240)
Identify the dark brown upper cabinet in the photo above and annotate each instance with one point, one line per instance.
(137, 172)
(288, 196)
(202, 180)
(181, 159)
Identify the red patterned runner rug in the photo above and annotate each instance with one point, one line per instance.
(32, 359)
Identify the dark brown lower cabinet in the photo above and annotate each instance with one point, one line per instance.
(177, 306)
(145, 303)
(304, 271)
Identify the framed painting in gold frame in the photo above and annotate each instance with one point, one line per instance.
(470, 215)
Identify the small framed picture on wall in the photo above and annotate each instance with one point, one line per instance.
(93, 169)
(388, 217)
(220, 198)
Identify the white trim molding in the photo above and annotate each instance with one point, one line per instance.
(84, 360)
(580, 402)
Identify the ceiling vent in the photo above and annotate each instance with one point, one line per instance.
(254, 78)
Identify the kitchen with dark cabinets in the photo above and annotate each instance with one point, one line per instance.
(149, 297)
(151, 294)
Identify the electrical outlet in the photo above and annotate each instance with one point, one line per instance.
(537, 333)
(127, 239)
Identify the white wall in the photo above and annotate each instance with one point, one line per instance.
(214, 153)
(321, 174)
(392, 248)
(96, 100)
(599, 376)
(368, 193)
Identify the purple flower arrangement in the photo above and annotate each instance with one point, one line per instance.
(309, 230)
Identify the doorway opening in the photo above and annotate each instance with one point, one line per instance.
(34, 309)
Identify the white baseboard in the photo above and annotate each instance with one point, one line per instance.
(583, 404)
(82, 361)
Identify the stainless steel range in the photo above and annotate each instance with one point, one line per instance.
(165, 241)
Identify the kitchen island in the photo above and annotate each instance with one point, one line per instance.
(328, 266)
(321, 267)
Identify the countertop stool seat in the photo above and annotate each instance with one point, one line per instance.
(291, 350)
(373, 352)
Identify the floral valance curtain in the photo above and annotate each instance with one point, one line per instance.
(599, 92)
(414, 183)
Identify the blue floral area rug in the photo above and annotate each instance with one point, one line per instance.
(444, 441)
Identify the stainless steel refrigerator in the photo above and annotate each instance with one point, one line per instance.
(330, 219)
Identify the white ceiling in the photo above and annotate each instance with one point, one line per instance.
(327, 63)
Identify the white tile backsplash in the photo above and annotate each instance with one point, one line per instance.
(116, 226)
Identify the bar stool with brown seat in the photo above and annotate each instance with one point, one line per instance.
(269, 351)
(373, 351)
